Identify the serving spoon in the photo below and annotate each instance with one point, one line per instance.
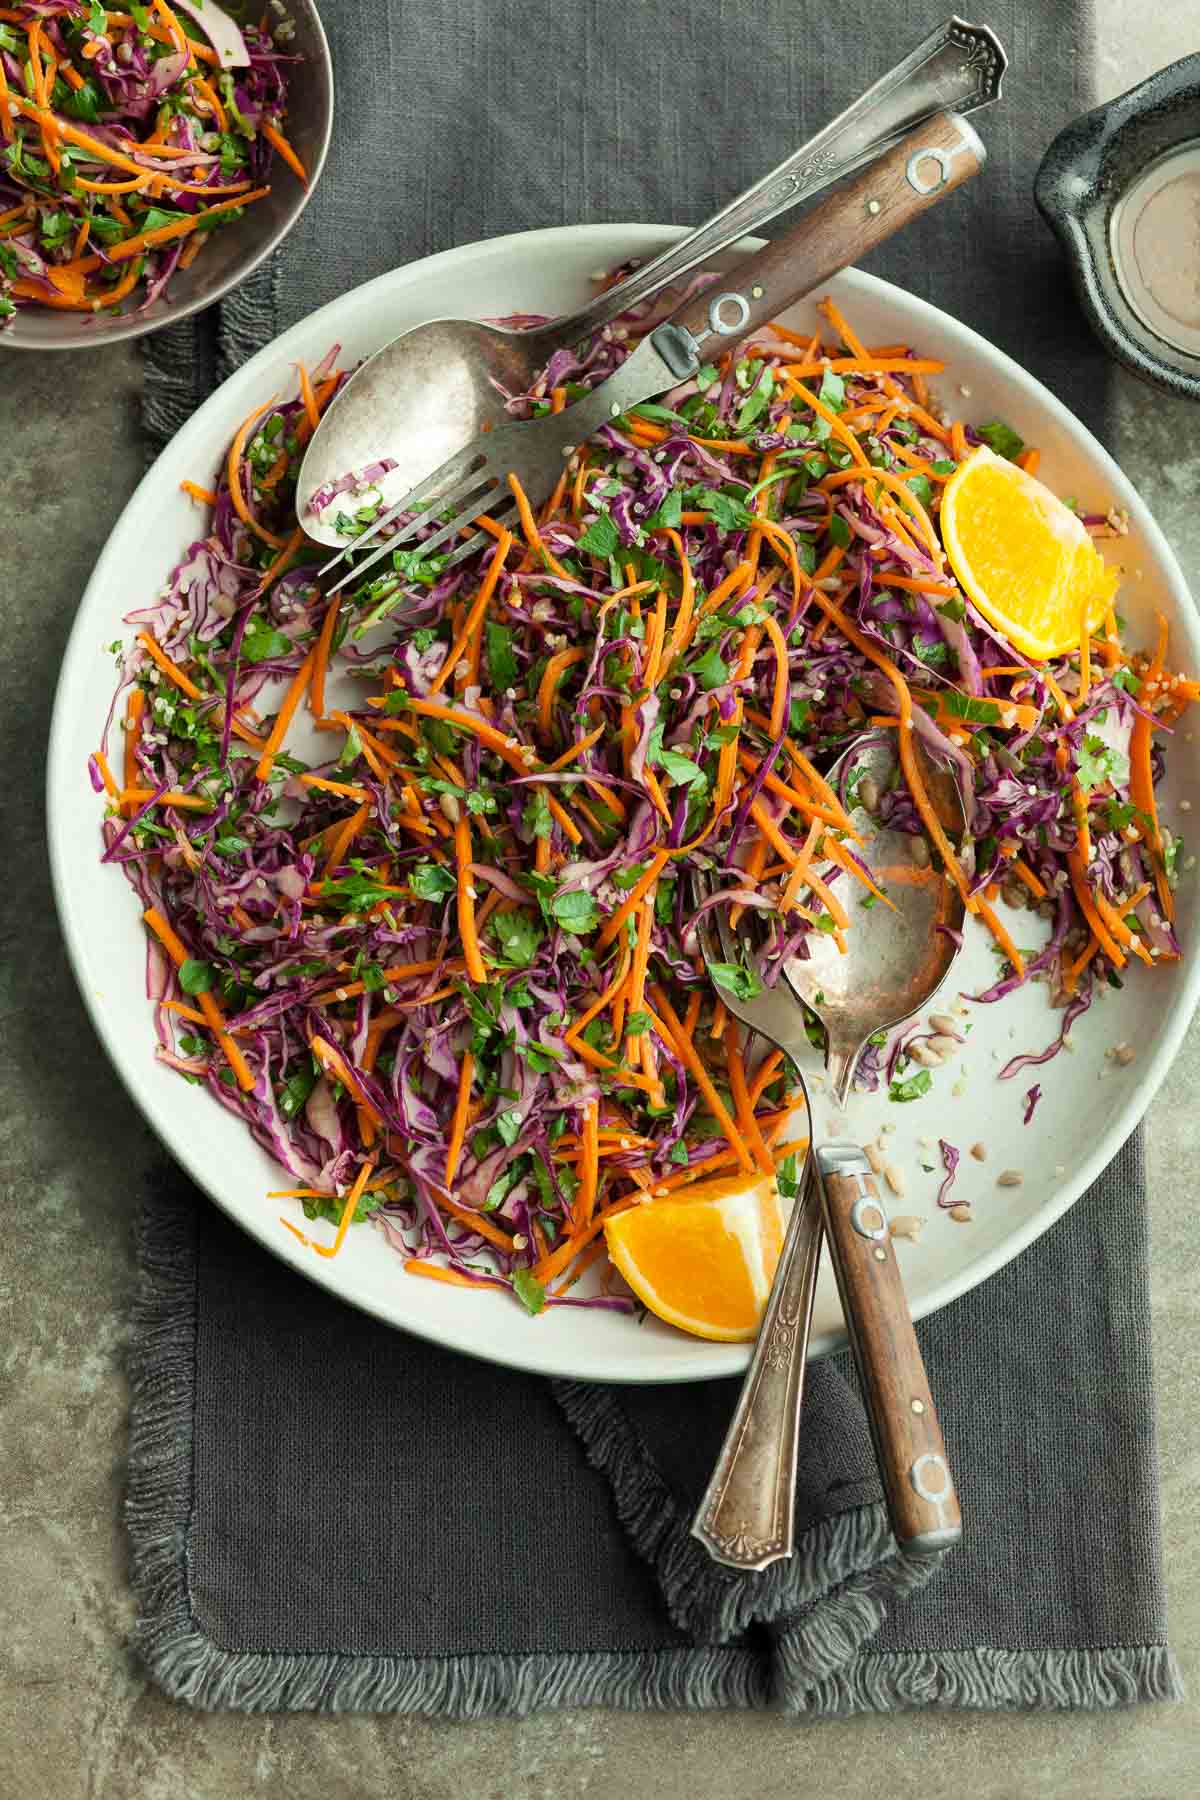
(897, 956)
(431, 391)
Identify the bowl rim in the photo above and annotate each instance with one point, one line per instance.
(707, 1361)
(76, 336)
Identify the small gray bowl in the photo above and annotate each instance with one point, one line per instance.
(232, 253)
(1118, 187)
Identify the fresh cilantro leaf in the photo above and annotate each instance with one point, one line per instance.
(230, 844)
(261, 644)
(502, 1186)
(193, 1046)
(195, 977)
(800, 713)
(536, 816)
(429, 881)
(661, 415)
(832, 391)
(955, 610)
(681, 768)
(965, 706)
(712, 670)
(1098, 762)
(839, 531)
(351, 750)
(628, 878)
(84, 102)
(539, 1058)
(944, 467)
(729, 514)
(156, 216)
(1125, 678)
(757, 402)
(737, 980)
(935, 651)
(787, 1176)
(636, 1024)
(576, 911)
(913, 1088)
(55, 228)
(529, 1291)
(601, 537)
(678, 1154)
(1002, 439)
(669, 513)
(502, 664)
(919, 488)
(518, 934)
(508, 1124)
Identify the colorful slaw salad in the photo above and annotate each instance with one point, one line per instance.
(125, 142)
(443, 963)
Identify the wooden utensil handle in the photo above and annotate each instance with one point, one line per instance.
(921, 1500)
(923, 168)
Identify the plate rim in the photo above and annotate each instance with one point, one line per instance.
(710, 1361)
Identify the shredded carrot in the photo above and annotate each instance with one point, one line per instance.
(111, 788)
(781, 692)
(187, 686)
(633, 899)
(1024, 873)
(589, 1167)
(202, 495)
(475, 617)
(1083, 894)
(174, 946)
(667, 1024)
(234, 477)
(286, 713)
(349, 1209)
(316, 689)
(1029, 460)
(345, 836)
(308, 397)
(533, 536)
(275, 137)
(739, 1089)
(476, 968)
(999, 932)
(458, 1125)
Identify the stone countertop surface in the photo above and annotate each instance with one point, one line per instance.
(76, 1717)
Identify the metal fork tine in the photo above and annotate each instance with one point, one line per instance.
(469, 501)
(444, 479)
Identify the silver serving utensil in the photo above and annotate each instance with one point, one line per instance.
(429, 392)
(894, 963)
(917, 173)
(897, 956)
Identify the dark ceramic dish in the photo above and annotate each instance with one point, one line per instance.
(1121, 188)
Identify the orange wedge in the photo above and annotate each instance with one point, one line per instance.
(705, 1262)
(1023, 557)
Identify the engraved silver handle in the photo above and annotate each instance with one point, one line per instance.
(746, 1516)
(957, 68)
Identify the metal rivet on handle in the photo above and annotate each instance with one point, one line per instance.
(727, 327)
(868, 1219)
(930, 1477)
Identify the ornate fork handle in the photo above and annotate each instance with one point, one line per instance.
(957, 68)
(745, 1517)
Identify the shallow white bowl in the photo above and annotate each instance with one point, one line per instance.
(1088, 1107)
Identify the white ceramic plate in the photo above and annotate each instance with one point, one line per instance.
(1089, 1107)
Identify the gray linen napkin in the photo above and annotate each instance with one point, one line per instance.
(327, 1514)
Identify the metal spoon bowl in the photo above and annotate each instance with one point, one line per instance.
(897, 955)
